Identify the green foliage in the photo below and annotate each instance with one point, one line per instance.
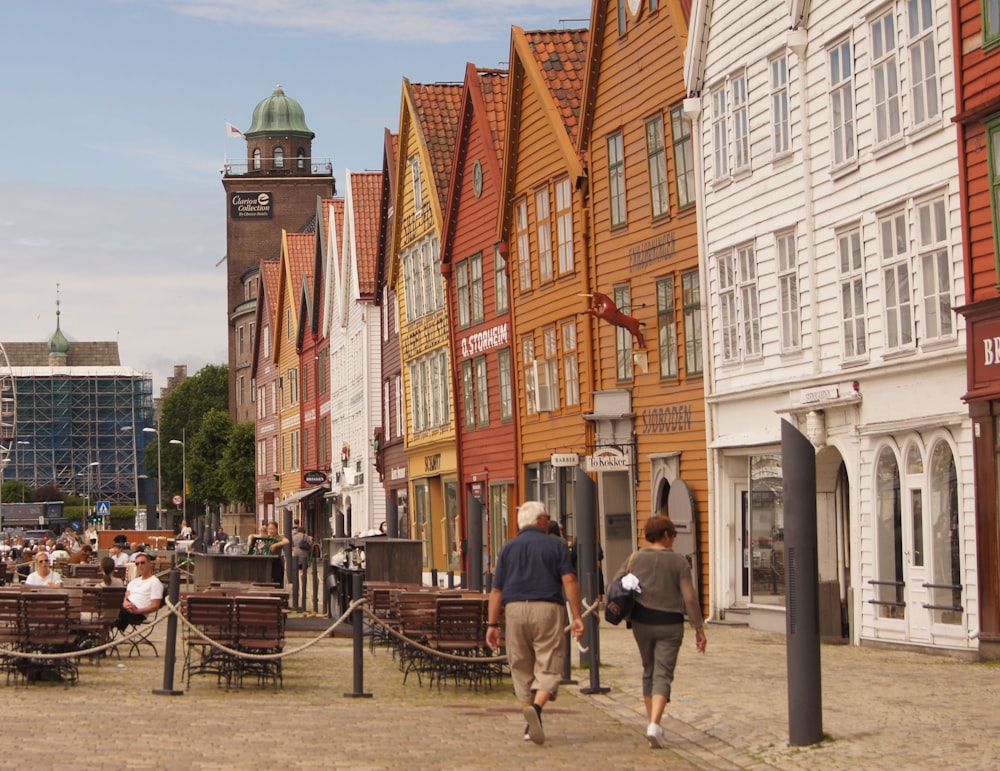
(16, 491)
(238, 466)
(204, 452)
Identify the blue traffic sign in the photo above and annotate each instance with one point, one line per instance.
(104, 508)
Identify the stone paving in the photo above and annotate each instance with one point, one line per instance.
(882, 709)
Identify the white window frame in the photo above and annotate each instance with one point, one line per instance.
(481, 379)
(543, 234)
(781, 142)
(934, 259)
(418, 189)
(616, 180)
(666, 315)
(656, 157)
(501, 296)
(571, 365)
(925, 87)
(462, 291)
(476, 288)
(887, 110)
(741, 122)
(749, 302)
(522, 239)
(530, 381)
(720, 133)
(547, 372)
(854, 323)
(843, 136)
(897, 292)
(506, 384)
(623, 338)
(564, 225)
(788, 291)
(728, 314)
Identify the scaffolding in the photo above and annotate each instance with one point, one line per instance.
(81, 430)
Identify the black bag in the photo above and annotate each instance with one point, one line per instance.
(619, 600)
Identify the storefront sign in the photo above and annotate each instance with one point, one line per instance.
(494, 337)
(315, 477)
(666, 420)
(246, 206)
(432, 462)
(397, 472)
(608, 459)
(984, 352)
(564, 459)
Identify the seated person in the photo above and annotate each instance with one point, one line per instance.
(106, 573)
(43, 575)
(144, 594)
(137, 549)
(272, 543)
(118, 555)
(86, 554)
(60, 552)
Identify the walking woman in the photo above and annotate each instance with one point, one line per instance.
(658, 617)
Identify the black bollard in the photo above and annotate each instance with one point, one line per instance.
(315, 583)
(805, 703)
(451, 579)
(584, 501)
(357, 623)
(474, 553)
(391, 516)
(170, 652)
(434, 577)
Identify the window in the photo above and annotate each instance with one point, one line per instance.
(301, 159)
(780, 135)
(621, 18)
(656, 157)
(841, 64)
(242, 338)
(462, 293)
(945, 552)
(543, 233)
(324, 370)
(571, 371)
(683, 157)
(482, 392)
(896, 280)
(888, 584)
(766, 538)
(528, 362)
(500, 294)
(476, 284)
(296, 446)
(852, 294)
(418, 195)
(991, 22)
(885, 77)
(468, 394)
(720, 133)
(788, 291)
(386, 415)
(324, 441)
(935, 268)
(746, 262)
(741, 123)
(993, 156)
(279, 157)
(666, 326)
(523, 247)
(616, 179)
(506, 384)
(691, 298)
(547, 372)
(243, 390)
(399, 404)
(623, 338)
(727, 307)
(923, 60)
(422, 280)
(564, 225)
(429, 391)
(256, 158)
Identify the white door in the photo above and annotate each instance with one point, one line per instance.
(915, 546)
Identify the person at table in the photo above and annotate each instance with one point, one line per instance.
(144, 594)
(118, 555)
(186, 533)
(106, 573)
(60, 552)
(272, 543)
(86, 554)
(43, 574)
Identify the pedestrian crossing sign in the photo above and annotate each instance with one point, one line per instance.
(103, 508)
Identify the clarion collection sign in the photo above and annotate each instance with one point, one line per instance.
(253, 205)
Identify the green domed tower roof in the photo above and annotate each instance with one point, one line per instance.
(58, 344)
(278, 114)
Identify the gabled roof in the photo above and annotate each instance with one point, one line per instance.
(366, 191)
(296, 268)
(267, 293)
(390, 152)
(334, 258)
(484, 103)
(435, 108)
(552, 64)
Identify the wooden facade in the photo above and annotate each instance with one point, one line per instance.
(265, 375)
(644, 257)
(977, 57)
(479, 314)
(542, 227)
(427, 128)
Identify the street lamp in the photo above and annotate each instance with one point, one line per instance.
(184, 492)
(159, 476)
(90, 483)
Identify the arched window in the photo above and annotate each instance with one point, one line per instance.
(301, 156)
(945, 559)
(256, 158)
(888, 537)
(279, 158)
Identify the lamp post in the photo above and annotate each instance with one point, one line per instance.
(90, 483)
(184, 492)
(159, 476)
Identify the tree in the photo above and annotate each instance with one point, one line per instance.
(16, 491)
(238, 466)
(204, 453)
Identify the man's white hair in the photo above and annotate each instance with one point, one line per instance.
(529, 512)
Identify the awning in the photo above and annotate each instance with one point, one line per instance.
(302, 495)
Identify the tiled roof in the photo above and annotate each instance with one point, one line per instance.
(338, 231)
(562, 58)
(437, 106)
(494, 87)
(300, 262)
(87, 354)
(270, 272)
(366, 194)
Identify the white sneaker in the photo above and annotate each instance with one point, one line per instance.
(655, 737)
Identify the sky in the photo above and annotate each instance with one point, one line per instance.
(113, 133)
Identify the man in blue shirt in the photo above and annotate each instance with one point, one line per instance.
(533, 571)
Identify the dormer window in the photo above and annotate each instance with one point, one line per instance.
(279, 158)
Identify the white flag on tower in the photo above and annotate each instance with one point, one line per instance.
(232, 131)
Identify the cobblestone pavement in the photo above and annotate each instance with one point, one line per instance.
(882, 709)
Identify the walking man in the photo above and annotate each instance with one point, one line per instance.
(532, 572)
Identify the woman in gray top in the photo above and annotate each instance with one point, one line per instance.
(658, 617)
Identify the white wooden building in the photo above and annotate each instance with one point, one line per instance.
(831, 259)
